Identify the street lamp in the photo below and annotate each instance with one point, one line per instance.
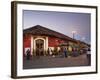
(74, 32)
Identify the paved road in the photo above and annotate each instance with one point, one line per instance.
(51, 62)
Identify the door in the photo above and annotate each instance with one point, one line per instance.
(39, 47)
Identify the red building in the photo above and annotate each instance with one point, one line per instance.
(39, 38)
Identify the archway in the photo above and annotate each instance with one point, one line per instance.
(39, 47)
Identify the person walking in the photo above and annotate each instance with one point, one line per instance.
(28, 54)
(50, 52)
(89, 56)
(65, 52)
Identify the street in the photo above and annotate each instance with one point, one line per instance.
(57, 61)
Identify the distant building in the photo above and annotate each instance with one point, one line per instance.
(39, 39)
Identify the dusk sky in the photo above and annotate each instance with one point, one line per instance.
(63, 22)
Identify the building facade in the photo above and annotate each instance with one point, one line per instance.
(39, 39)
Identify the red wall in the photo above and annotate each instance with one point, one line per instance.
(26, 42)
(54, 42)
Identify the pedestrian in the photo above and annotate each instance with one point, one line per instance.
(76, 52)
(65, 52)
(28, 54)
(73, 52)
(41, 51)
(89, 56)
(81, 51)
(50, 51)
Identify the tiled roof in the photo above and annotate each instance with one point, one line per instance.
(40, 30)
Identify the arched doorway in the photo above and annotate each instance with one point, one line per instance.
(39, 47)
